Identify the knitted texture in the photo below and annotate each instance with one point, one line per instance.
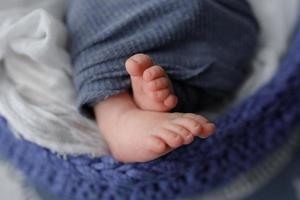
(246, 135)
(200, 43)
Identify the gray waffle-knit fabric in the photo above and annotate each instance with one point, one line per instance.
(203, 45)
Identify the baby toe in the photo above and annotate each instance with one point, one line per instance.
(171, 138)
(200, 119)
(153, 72)
(185, 134)
(156, 145)
(192, 125)
(207, 130)
(159, 95)
(157, 84)
(171, 101)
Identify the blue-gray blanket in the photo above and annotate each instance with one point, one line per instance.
(204, 45)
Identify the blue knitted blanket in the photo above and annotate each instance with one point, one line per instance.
(246, 135)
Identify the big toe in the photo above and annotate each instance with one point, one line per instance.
(137, 64)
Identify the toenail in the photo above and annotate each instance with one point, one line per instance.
(134, 60)
(197, 126)
(206, 135)
(202, 136)
(210, 128)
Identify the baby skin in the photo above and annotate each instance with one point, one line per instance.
(138, 127)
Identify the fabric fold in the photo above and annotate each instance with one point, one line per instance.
(37, 95)
(183, 37)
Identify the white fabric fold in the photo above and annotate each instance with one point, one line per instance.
(277, 20)
(36, 91)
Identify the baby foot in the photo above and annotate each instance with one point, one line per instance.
(152, 89)
(135, 135)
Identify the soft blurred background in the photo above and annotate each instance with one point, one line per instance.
(282, 183)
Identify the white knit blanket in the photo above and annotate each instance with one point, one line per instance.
(36, 92)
